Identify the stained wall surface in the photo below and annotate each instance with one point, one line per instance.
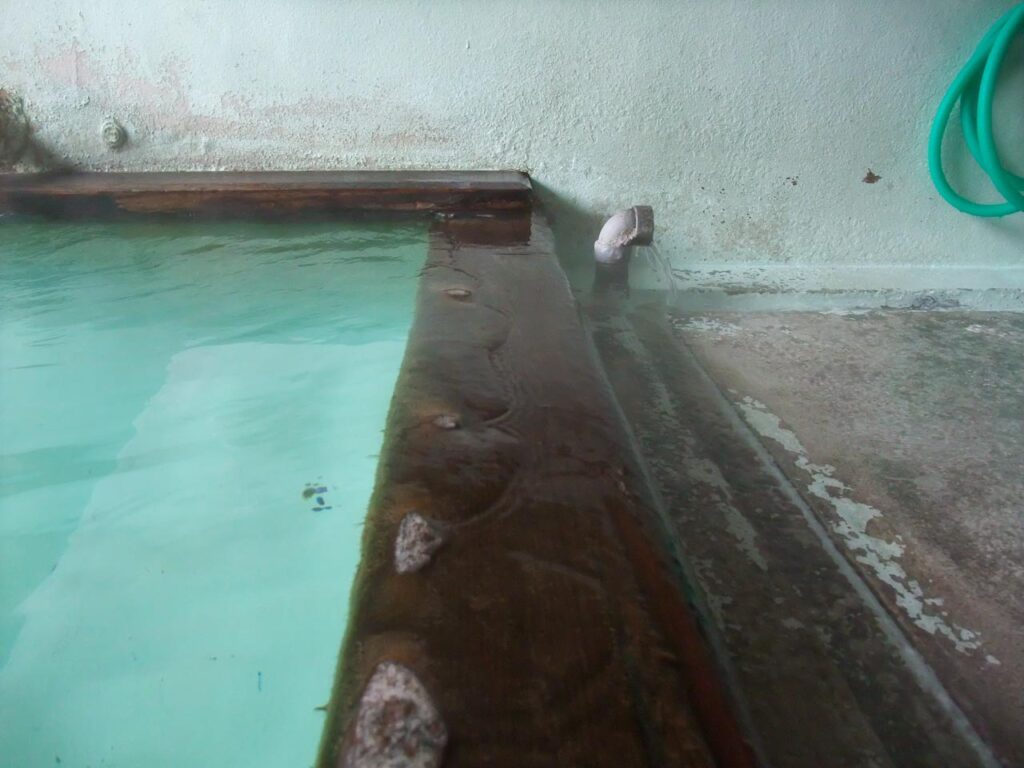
(753, 128)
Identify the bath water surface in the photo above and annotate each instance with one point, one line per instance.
(190, 417)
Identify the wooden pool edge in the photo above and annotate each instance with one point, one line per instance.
(263, 194)
(517, 602)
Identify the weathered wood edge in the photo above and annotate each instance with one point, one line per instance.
(285, 194)
(550, 628)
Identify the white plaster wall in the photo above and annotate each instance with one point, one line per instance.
(748, 125)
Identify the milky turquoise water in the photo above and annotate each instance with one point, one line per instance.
(169, 593)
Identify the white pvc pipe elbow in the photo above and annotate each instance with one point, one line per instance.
(633, 226)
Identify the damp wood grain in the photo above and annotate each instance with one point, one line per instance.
(267, 193)
(550, 629)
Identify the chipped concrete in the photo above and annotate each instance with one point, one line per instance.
(707, 472)
(710, 325)
(852, 521)
(824, 674)
(904, 432)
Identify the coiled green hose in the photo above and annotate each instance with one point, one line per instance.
(975, 89)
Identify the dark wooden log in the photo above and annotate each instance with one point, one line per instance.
(533, 606)
(103, 195)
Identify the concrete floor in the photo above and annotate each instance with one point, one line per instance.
(848, 497)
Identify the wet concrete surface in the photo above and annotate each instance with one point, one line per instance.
(847, 497)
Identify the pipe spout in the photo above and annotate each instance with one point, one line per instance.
(633, 226)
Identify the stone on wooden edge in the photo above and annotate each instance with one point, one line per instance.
(417, 540)
(397, 724)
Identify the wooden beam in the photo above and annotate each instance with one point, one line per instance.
(102, 195)
(516, 604)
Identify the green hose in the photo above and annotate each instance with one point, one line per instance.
(975, 89)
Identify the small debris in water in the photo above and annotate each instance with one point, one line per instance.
(459, 293)
(417, 540)
(871, 177)
(397, 724)
(312, 490)
(259, 681)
